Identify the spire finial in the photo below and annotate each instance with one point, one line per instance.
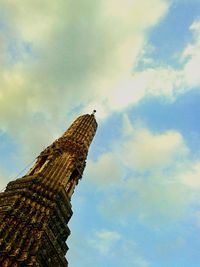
(94, 111)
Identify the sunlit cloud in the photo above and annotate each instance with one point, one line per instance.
(105, 240)
(163, 181)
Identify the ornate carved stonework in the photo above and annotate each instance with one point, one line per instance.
(35, 209)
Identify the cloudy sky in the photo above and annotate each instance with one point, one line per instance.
(138, 64)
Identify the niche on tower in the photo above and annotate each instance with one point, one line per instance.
(39, 165)
(73, 180)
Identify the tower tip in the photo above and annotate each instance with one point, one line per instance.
(94, 111)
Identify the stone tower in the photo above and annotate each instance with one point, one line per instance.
(35, 209)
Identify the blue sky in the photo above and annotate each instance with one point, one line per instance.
(137, 63)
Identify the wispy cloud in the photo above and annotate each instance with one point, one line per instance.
(105, 240)
(154, 173)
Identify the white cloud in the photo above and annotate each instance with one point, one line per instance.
(170, 82)
(192, 55)
(102, 245)
(191, 176)
(153, 176)
(106, 172)
(105, 240)
(154, 201)
(157, 80)
(112, 244)
(144, 150)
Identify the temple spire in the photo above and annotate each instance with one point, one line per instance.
(35, 209)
